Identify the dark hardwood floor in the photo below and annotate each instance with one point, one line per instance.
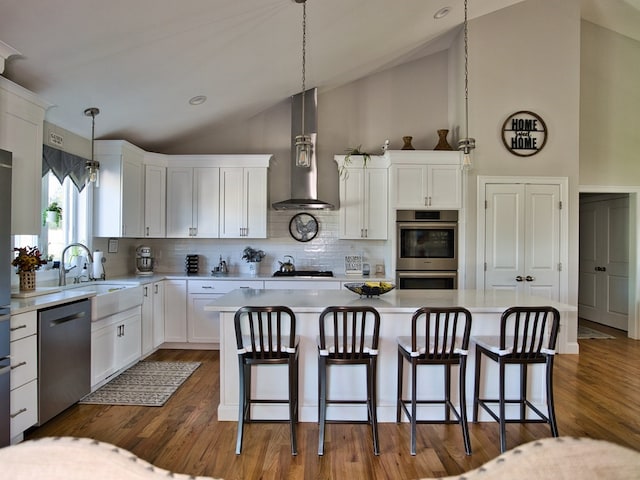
(597, 396)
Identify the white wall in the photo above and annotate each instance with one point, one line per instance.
(610, 102)
(526, 57)
(410, 99)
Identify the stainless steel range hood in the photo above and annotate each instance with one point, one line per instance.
(304, 180)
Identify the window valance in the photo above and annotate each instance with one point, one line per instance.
(64, 164)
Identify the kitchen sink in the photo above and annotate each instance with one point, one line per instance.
(111, 298)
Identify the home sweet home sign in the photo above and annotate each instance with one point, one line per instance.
(524, 133)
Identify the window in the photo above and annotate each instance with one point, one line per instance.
(74, 226)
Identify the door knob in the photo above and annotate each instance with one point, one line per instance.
(519, 278)
(529, 278)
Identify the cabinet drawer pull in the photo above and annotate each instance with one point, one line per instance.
(207, 287)
(18, 365)
(13, 329)
(14, 415)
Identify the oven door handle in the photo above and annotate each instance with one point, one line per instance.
(430, 274)
(428, 224)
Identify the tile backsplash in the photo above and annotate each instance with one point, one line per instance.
(325, 252)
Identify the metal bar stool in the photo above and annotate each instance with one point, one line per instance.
(266, 336)
(439, 336)
(348, 336)
(523, 331)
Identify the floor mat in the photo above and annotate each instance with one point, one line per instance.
(586, 332)
(148, 384)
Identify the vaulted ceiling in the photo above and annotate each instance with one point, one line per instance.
(141, 61)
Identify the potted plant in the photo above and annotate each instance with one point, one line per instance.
(52, 215)
(366, 157)
(253, 257)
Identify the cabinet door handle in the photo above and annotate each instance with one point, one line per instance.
(155, 288)
(14, 415)
(529, 278)
(519, 278)
(21, 364)
(146, 291)
(147, 228)
(18, 327)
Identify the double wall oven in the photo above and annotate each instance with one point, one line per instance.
(427, 249)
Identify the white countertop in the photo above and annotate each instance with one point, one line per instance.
(477, 301)
(21, 305)
(50, 296)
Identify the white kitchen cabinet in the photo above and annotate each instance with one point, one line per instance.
(204, 327)
(243, 202)
(21, 124)
(119, 192)
(426, 179)
(364, 201)
(115, 344)
(155, 201)
(152, 316)
(193, 202)
(158, 314)
(24, 373)
(175, 310)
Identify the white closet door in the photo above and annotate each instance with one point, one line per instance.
(522, 228)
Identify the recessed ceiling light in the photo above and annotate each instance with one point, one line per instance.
(443, 12)
(197, 100)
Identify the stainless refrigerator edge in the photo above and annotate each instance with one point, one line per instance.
(5, 294)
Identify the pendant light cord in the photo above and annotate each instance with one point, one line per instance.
(466, 72)
(304, 57)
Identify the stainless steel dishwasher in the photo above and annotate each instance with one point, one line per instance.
(64, 352)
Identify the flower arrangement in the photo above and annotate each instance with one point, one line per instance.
(251, 255)
(28, 259)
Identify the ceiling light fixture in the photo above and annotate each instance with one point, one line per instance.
(443, 12)
(92, 166)
(197, 100)
(467, 143)
(303, 142)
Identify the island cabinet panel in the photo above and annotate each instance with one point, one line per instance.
(396, 309)
(364, 198)
(119, 193)
(426, 179)
(21, 124)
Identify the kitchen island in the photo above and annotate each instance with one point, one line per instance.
(396, 308)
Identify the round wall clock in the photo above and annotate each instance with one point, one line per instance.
(524, 133)
(303, 227)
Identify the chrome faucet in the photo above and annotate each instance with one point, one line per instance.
(62, 276)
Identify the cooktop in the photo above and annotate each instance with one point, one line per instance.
(305, 273)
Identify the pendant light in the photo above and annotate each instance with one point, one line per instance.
(467, 143)
(92, 166)
(303, 141)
